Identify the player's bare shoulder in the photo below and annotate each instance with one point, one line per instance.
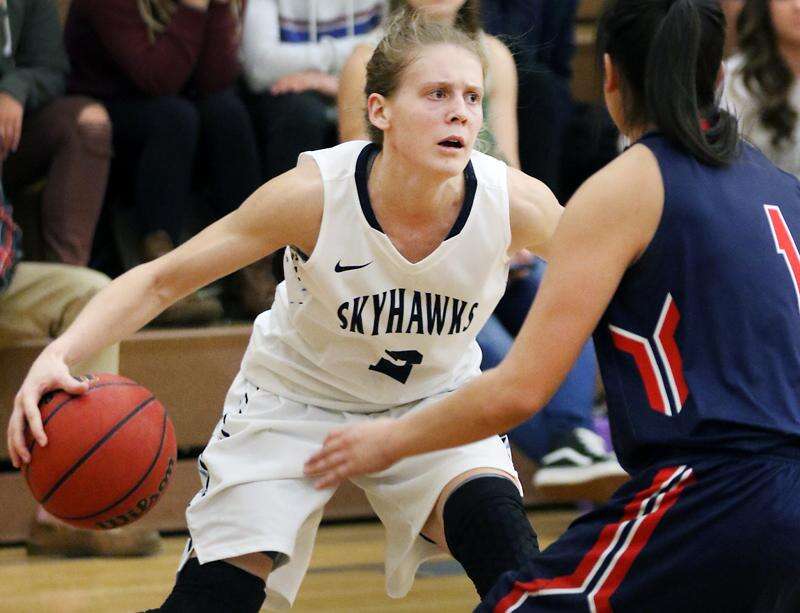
(629, 188)
(289, 206)
(534, 212)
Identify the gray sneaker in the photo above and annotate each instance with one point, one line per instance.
(579, 468)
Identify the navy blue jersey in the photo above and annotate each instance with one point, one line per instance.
(699, 348)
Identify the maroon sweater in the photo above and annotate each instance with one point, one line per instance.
(112, 57)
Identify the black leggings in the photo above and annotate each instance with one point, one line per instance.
(160, 141)
(288, 124)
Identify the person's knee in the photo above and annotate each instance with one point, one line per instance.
(487, 529)
(81, 285)
(89, 281)
(94, 128)
(174, 120)
(221, 104)
(304, 115)
(225, 116)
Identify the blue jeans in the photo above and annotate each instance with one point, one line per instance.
(571, 406)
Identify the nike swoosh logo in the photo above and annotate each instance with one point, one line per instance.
(340, 268)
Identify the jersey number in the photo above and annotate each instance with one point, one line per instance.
(400, 368)
(785, 245)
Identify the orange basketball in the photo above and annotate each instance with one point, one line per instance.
(110, 454)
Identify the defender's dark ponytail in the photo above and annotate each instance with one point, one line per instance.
(669, 53)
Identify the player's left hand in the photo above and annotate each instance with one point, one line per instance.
(351, 452)
(307, 80)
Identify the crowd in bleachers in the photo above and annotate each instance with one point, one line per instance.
(139, 121)
(201, 101)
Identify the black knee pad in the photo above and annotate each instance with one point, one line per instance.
(214, 587)
(487, 529)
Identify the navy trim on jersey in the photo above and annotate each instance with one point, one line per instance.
(362, 173)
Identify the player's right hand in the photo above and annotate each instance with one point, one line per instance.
(47, 373)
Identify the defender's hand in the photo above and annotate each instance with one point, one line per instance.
(352, 452)
(47, 373)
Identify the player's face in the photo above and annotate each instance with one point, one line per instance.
(786, 21)
(438, 9)
(436, 111)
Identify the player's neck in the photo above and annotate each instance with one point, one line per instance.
(400, 188)
(634, 133)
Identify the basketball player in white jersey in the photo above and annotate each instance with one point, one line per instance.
(399, 253)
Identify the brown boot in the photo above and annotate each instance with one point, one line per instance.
(254, 287)
(61, 540)
(155, 244)
(199, 307)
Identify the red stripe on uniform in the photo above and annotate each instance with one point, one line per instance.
(590, 563)
(645, 365)
(602, 596)
(785, 245)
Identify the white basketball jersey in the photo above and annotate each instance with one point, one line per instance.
(356, 326)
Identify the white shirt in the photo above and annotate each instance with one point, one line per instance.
(282, 37)
(356, 326)
(739, 99)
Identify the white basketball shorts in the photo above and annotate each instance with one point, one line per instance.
(254, 496)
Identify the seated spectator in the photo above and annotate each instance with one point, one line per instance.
(561, 142)
(763, 79)
(43, 134)
(499, 136)
(40, 300)
(292, 53)
(540, 34)
(166, 70)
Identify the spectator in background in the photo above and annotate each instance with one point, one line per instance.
(561, 142)
(43, 134)
(763, 79)
(40, 300)
(292, 53)
(499, 134)
(540, 34)
(166, 70)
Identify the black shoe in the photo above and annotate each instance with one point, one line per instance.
(578, 467)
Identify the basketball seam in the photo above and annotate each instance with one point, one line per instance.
(94, 448)
(89, 391)
(64, 403)
(146, 474)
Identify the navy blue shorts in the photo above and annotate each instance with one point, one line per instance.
(711, 535)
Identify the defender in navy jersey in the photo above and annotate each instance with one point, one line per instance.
(682, 256)
(399, 254)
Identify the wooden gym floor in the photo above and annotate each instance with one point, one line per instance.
(346, 576)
